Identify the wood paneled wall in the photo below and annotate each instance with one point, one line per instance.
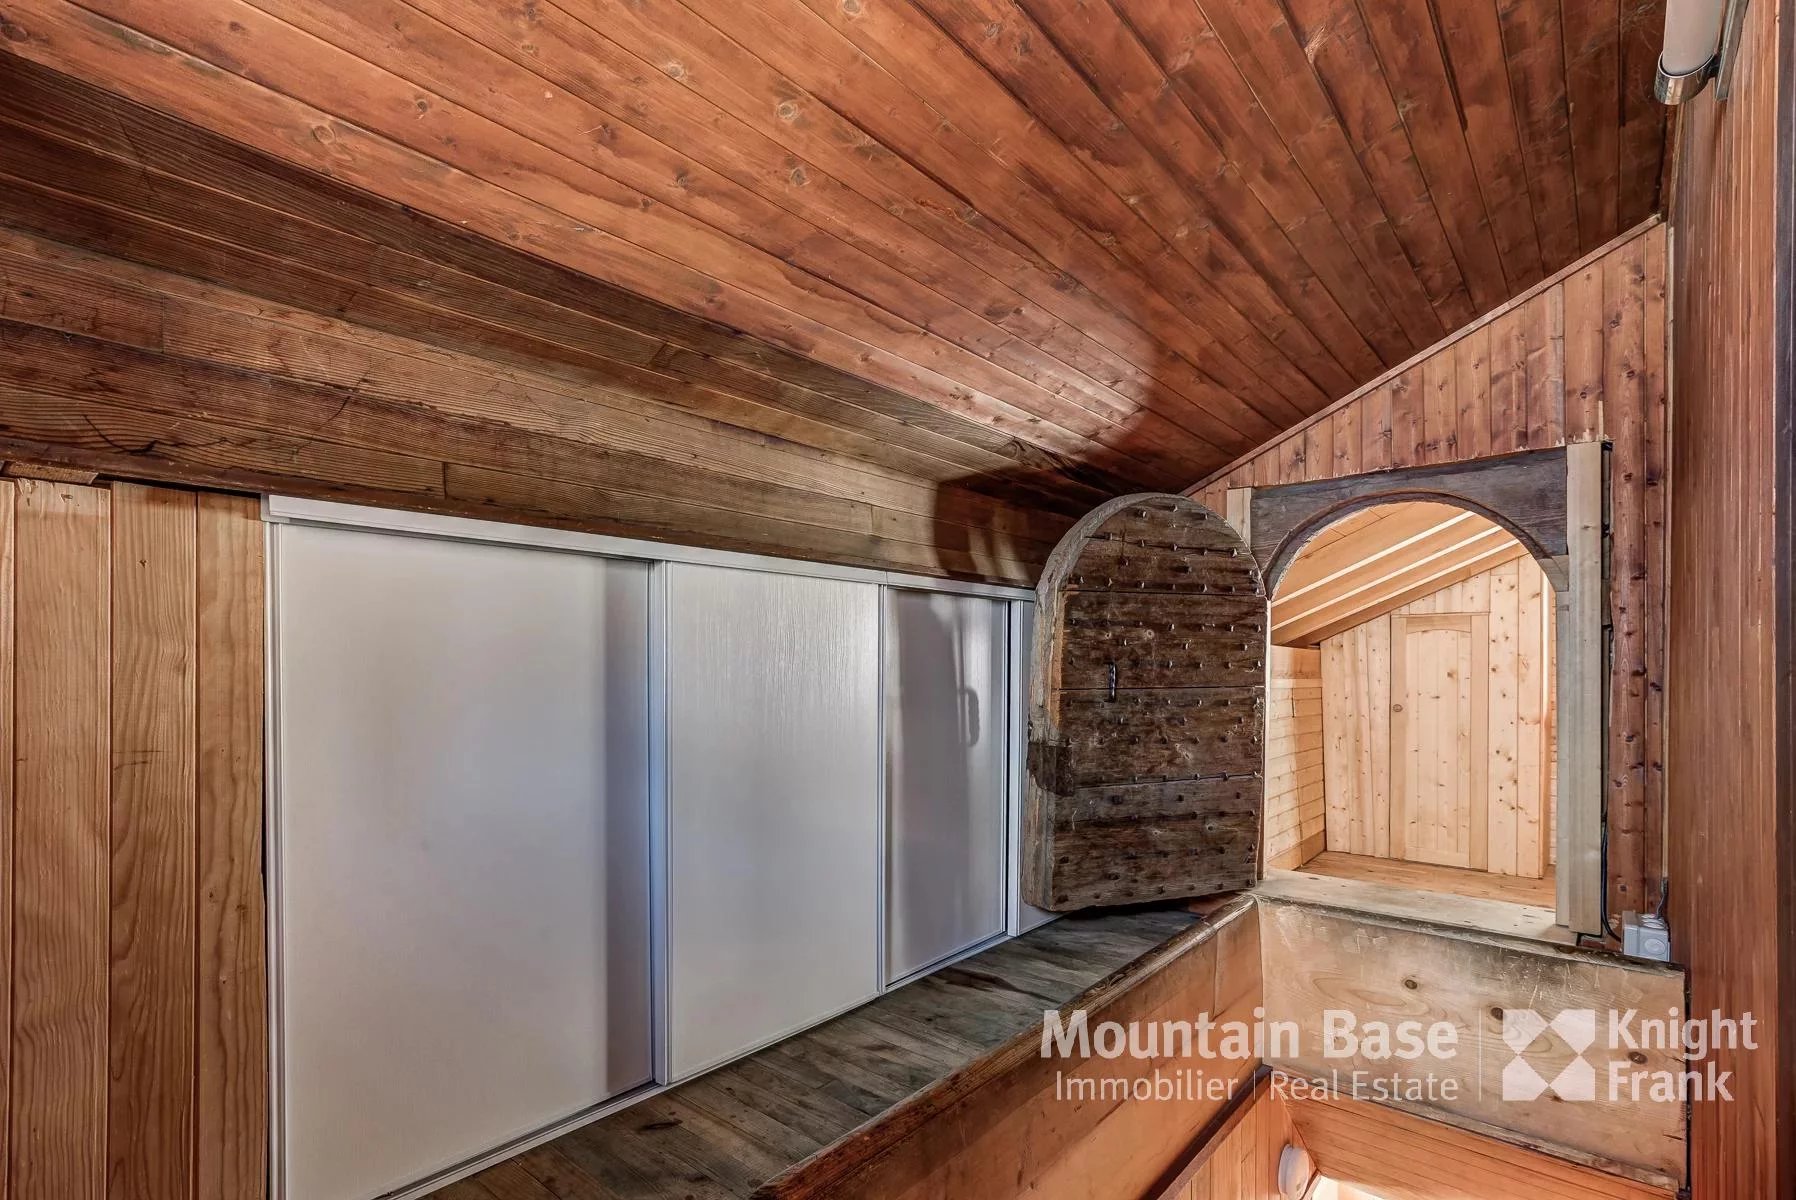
(1319, 958)
(132, 1024)
(1239, 1161)
(1294, 787)
(1582, 356)
(1732, 812)
(1372, 1152)
(1356, 680)
(145, 373)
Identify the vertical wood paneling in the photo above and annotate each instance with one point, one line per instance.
(231, 1147)
(151, 1035)
(1544, 337)
(1440, 409)
(1533, 682)
(1655, 433)
(1472, 381)
(1505, 718)
(1731, 833)
(1624, 384)
(61, 833)
(1348, 441)
(1319, 450)
(1375, 429)
(1511, 674)
(1508, 383)
(1581, 357)
(1240, 1162)
(133, 1040)
(1583, 348)
(8, 607)
(1408, 436)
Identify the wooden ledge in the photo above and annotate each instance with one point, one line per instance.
(829, 1172)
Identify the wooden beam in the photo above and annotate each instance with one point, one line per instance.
(1583, 672)
(1315, 957)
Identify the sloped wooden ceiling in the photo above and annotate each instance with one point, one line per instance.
(1086, 244)
(1376, 560)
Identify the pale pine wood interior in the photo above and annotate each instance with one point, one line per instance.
(1422, 877)
(1579, 359)
(1437, 721)
(1295, 801)
(1319, 957)
(1420, 730)
(1378, 559)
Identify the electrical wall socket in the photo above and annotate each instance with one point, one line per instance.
(1644, 935)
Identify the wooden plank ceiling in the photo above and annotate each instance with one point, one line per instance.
(1072, 246)
(1376, 560)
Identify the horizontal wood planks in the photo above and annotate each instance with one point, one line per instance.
(1396, 968)
(1294, 820)
(1420, 877)
(1580, 357)
(1731, 831)
(102, 362)
(1124, 237)
(1395, 1156)
(134, 1046)
(1385, 558)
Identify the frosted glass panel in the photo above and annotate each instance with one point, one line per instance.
(946, 752)
(773, 839)
(463, 849)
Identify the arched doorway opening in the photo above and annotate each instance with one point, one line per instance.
(1412, 703)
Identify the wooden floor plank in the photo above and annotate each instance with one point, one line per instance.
(1476, 885)
(724, 1134)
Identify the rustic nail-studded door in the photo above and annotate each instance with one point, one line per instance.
(1148, 709)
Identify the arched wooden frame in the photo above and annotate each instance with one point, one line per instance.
(1553, 502)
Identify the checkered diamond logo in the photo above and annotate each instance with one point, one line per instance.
(1522, 1028)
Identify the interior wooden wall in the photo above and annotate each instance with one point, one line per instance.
(1369, 1150)
(1318, 958)
(1356, 680)
(133, 1061)
(1731, 818)
(146, 373)
(1581, 356)
(1239, 1161)
(1294, 793)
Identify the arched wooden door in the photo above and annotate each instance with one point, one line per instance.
(1148, 717)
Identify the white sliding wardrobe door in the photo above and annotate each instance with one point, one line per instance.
(947, 747)
(462, 845)
(773, 835)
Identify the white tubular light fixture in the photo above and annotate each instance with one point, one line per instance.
(1699, 43)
